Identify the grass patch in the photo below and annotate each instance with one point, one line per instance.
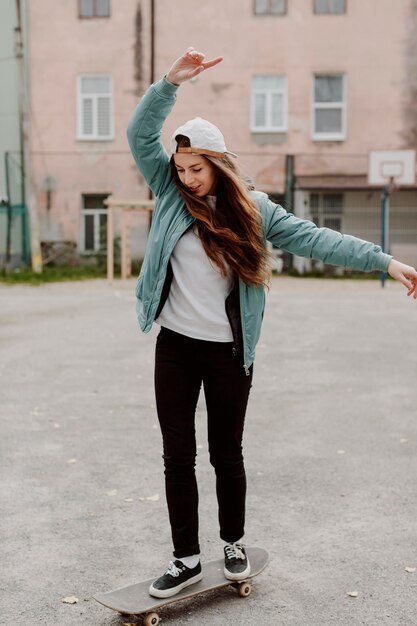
(53, 274)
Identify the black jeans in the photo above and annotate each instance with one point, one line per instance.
(182, 364)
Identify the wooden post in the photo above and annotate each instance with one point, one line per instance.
(110, 250)
(123, 228)
(128, 244)
(126, 206)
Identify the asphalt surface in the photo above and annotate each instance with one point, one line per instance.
(330, 449)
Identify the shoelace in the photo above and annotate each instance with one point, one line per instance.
(173, 570)
(234, 551)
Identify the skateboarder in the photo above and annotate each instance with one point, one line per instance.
(203, 281)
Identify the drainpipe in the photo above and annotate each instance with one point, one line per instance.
(152, 76)
(22, 52)
(289, 189)
(152, 79)
(6, 202)
(289, 182)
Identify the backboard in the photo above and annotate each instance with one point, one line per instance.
(399, 165)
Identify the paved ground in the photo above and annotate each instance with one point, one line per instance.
(330, 445)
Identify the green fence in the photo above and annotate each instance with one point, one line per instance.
(19, 235)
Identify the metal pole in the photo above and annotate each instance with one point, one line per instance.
(21, 33)
(152, 78)
(289, 183)
(110, 248)
(385, 206)
(9, 215)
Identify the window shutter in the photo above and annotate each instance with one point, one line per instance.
(278, 7)
(102, 8)
(277, 110)
(338, 7)
(260, 110)
(270, 7)
(103, 116)
(261, 7)
(86, 8)
(320, 7)
(87, 116)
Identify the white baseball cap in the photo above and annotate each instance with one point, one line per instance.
(205, 138)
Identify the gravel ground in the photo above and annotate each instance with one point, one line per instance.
(330, 449)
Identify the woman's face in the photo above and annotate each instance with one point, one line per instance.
(196, 173)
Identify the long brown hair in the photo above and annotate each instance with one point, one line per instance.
(232, 233)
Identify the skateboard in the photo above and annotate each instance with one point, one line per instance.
(135, 599)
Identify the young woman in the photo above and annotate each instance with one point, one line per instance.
(203, 281)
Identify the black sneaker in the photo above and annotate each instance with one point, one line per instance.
(236, 563)
(177, 577)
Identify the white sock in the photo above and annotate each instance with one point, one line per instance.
(190, 561)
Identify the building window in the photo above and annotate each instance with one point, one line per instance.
(270, 7)
(329, 107)
(334, 7)
(95, 107)
(269, 104)
(94, 223)
(94, 8)
(326, 210)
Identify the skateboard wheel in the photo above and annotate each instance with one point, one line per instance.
(244, 589)
(151, 619)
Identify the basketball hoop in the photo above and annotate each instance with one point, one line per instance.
(392, 185)
(395, 167)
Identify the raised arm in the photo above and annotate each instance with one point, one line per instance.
(145, 126)
(189, 65)
(144, 134)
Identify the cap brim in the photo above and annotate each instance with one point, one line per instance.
(203, 151)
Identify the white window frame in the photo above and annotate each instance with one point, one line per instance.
(96, 213)
(94, 97)
(339, 136)
(269, 128)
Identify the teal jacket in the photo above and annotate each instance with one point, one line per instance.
(171, 219)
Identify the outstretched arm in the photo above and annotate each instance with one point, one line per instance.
(304, 238)
(405, 274)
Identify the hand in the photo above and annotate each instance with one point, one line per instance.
(406, 274)
(189, 65)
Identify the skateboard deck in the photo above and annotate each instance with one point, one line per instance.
(135, 599)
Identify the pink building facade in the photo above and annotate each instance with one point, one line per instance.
(306, 90)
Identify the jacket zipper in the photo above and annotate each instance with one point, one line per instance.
(242, 321)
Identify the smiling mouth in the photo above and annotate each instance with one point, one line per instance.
(194, 189)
